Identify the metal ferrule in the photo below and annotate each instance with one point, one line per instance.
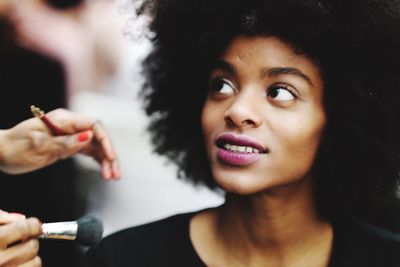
(60, 230)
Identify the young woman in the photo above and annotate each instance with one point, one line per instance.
(289, 107)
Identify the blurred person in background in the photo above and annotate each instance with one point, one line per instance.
(88, 49)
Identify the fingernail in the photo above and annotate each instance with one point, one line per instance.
(84, 136)
(117, 173)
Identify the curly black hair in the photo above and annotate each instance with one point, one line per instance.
(355, 45)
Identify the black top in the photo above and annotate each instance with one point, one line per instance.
(167, 243)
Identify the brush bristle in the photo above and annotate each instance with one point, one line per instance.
(90, 230)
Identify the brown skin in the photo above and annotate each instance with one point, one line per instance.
(18, 240)
(30, 145)
(269, 217)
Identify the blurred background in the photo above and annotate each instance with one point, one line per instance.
(85, 55)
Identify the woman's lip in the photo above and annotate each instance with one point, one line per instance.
(237, 158)
(239, 141)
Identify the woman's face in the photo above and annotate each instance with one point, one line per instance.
(264, 117)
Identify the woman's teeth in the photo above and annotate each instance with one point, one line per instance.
(242, 149)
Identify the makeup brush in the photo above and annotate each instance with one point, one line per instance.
(87, 230)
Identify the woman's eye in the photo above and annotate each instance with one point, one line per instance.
(280, 93)
(222, 86)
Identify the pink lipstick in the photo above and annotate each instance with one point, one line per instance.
(238, 150)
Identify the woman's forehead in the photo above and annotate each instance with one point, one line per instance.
(265, 53)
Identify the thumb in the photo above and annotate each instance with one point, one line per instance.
(73, 144)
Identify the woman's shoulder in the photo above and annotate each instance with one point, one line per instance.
(151, 244)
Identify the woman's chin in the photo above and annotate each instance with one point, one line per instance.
(240, 184)
(245, 182)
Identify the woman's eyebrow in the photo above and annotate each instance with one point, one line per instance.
(225, 66)
(270, 72)
(276, 71)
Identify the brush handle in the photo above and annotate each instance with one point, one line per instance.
(60, 230)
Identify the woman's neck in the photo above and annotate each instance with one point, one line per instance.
(275, 228)
(272, 217)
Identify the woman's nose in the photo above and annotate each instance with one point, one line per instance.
(243, 112)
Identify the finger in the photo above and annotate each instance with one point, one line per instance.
(106, 169)
(93, 150)
(109, 168)
(35, 262)
(66, 146)
(70, 122)
(102, 137)
(19, 230)
(6, 217)
(115, 169)
(20, 254)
